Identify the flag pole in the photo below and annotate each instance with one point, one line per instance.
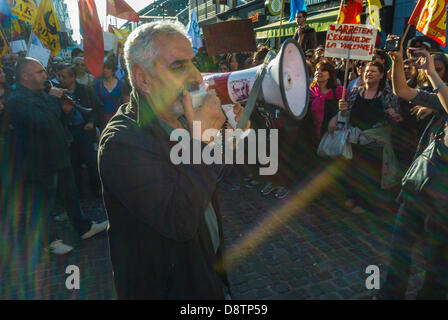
(280, 30)
(405, 34)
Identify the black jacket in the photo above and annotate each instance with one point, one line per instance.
(309, 38)
(40, 143)
(160, 244)
(87, 98)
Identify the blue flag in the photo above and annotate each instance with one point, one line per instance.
(194, 33)
(5, 9)
(296, 6)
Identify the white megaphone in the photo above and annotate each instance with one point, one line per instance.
(285, 84)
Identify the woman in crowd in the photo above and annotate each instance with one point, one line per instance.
(423, 207)
(111, 91)
(372, 106)
(223, 67)
(235, 61)
(360, 66)
(324, 96)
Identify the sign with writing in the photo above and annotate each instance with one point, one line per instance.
(39, 53)
(350, 41)
(18, 45)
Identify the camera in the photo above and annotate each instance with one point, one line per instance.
(392, 44)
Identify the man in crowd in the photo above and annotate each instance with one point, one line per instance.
(77, 53)
(81, 124)
(305, 35)
(8, 68)
(166, 235)
(82, 75)
(41, 149)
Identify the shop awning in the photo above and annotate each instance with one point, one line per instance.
(318, 21)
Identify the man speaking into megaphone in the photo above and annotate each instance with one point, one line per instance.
(166, 236)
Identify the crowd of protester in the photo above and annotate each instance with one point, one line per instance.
(87, 104)
(397, 125)
(376, 98)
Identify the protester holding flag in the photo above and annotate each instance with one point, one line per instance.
(304, 35)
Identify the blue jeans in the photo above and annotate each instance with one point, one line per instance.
(69, 197)
(82, 151)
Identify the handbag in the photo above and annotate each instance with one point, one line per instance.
(429, 165)
(334, 144)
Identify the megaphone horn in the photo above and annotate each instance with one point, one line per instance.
(285, 84)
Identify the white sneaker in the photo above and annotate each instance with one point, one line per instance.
(59, 248)
(95, 229)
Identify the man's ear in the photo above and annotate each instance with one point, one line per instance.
(141, 79)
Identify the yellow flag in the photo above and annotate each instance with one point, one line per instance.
(4, 47)
(46, 26)
(374, 12)
(16, 27)
(24, 9)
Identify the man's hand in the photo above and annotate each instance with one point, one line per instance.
(209, 114)
(238, 110)
(421, 112)
(427, 63)
(2, 107)
(58, 92)
(343, 105)
(396, 56)
(89, 126)
(393, 114)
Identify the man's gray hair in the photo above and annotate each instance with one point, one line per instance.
(140, 47)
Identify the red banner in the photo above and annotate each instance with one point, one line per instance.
(429, 17)
(92, 34)
(120, 9)
(350, 12)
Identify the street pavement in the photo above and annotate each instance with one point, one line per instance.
(306, 246)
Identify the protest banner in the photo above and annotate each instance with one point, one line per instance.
(18, 45)
(350, 41)
(39, 53)
(110, 41)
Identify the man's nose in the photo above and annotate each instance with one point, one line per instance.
(195, 76)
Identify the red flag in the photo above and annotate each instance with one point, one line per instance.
(350, 12)
(429, 17)
(92, 33)
(120, 9)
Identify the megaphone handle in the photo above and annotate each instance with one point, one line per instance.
(250, 104)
